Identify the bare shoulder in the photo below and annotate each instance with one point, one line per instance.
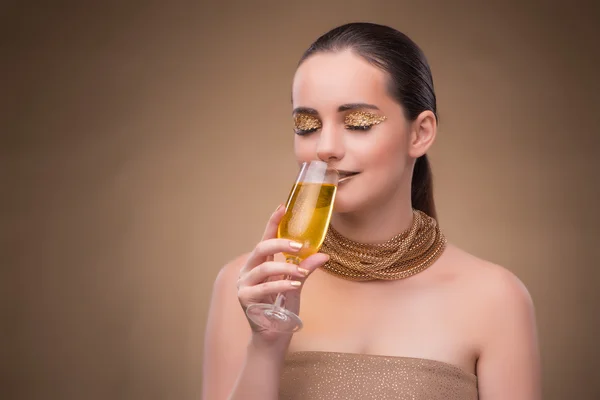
(494, 282)
(502, 309)
(498, 296)
(231, 270)
(224, 307)
(226, 334)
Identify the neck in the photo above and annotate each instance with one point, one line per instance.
(376, 224)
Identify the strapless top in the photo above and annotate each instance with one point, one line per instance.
(315, 375)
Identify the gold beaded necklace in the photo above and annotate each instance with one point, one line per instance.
(404, 255)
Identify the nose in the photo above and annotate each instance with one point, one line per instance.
(331, 145)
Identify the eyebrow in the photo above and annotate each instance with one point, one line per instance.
(354, 106)
(305, 110)
(343, 107)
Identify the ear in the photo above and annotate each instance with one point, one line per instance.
(423, 131)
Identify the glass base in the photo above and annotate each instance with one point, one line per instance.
(273, 318)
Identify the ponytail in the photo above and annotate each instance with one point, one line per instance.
(421, 191)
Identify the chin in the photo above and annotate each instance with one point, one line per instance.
(358, 195)
(340, 207)
(348, 201)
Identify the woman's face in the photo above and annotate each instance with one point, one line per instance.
(344, 115)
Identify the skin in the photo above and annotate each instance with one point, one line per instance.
(462, 310)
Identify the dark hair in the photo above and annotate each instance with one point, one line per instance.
(411, 83)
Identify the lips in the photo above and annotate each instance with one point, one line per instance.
(345, 175)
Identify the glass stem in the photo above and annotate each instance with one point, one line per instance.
(280, 299)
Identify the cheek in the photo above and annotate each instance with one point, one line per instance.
(385, 153)
(304, 148)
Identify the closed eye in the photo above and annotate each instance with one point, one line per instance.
(306, 123)
(362, 120)
(302, 132)
(359, 127)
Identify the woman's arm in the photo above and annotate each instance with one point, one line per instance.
(234, 368)
(509, 363)
(242, 360)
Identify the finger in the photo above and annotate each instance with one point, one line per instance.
(269, 269)
(254, 294)
(271, 229)
(313, 262)
(268, 248)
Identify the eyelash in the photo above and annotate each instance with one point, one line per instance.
(359, 127)
(301, 132)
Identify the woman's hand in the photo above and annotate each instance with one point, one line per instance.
(262, 278)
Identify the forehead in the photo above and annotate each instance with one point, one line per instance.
(326, 80)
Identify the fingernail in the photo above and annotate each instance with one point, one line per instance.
(295, 245)
(278, 208)
(303, 271)
(295, 283)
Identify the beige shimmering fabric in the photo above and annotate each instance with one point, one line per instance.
(324, 375)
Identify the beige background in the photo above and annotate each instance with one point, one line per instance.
(143, 146)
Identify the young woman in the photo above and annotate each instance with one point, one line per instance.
(391, 310)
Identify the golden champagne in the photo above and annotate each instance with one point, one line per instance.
(307, 217)
(306, 220)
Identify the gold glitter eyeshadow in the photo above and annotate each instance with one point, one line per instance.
(306, 122)
(363, 119)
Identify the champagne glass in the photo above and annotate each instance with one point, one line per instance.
(306, 220)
